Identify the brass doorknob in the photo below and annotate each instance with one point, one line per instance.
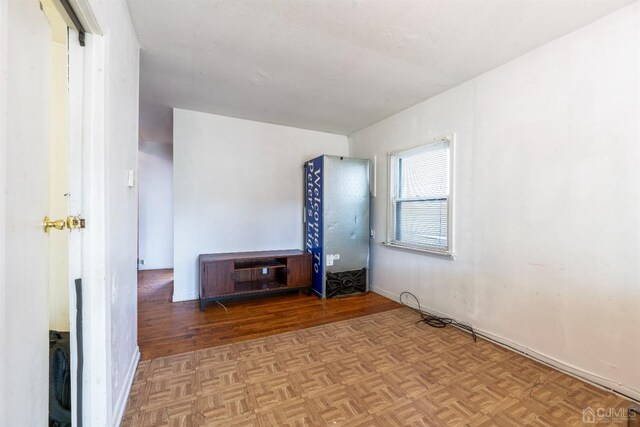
(75, 222)
(48, 224)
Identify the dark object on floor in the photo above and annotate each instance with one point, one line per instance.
(436, 321)
(346, 283)
(79, 352)
(59, 379)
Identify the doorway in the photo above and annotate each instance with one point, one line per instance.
(25, 117)
(63, 147)
(58, 169)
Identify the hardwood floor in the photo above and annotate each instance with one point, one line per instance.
(166, 328)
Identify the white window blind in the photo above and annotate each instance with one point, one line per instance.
(420, 197)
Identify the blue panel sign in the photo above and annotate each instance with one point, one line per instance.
(313, 214)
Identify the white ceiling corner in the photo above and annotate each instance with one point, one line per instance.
(330, 65)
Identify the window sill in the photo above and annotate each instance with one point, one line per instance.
(447, 255)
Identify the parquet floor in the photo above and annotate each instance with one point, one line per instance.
(382, 369)
(166, 328)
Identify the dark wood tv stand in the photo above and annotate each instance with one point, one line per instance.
(231, 275)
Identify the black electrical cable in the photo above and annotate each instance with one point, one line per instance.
(441, 322)
(436, 321)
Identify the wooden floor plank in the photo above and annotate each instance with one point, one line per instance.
(166, 328)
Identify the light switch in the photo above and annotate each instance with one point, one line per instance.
(131, 179)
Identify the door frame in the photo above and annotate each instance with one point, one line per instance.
(4, 31)
(96, 392)
(75, 87)
(96, 378)
(87, 116)
(96, 382)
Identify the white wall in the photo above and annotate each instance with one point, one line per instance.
(238, 186)
(122, 205)
(3, 205)
(548, 201)
(121, 73)
(155, 188)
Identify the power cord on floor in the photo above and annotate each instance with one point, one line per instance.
(222, 305)
(441, 322)
(433, 320)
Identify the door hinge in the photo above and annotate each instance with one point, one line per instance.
(75, 222)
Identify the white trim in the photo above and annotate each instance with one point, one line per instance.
(391, 176)
(422, 148)
(591, 378)
(121, 403)
(373, 183)
(74, 144)
(394, 245)
(188, 296)
(392, 189)
(85, 14)
(443, 137)
(3, 194)
(451, 214)
(96, 399)
(145, 268)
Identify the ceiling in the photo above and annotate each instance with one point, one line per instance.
(329, 65)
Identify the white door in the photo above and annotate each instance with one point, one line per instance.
(25, 348)
(58, 70)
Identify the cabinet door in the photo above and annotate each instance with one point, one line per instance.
(217, 278)
(299, 270)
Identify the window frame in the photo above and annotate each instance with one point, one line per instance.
(392, 160)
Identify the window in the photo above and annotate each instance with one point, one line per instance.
(420, 208)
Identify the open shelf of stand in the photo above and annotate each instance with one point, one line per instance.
(258, 285)
(258, 265)
(232, 275)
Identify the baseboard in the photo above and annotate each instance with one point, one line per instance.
(121, 404)
(591, 378)
(147, 268)
(186, 297)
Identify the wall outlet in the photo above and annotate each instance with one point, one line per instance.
(141, 262)
(372, 233)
